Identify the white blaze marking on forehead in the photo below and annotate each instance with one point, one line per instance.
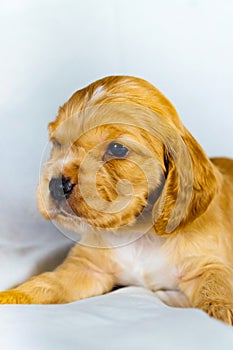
(98, 92)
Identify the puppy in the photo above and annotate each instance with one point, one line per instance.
(151, 208)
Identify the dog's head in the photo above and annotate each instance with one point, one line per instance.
(120, 153)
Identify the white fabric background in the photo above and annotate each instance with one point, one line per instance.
(49, 49)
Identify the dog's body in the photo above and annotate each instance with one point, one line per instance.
(152, 209)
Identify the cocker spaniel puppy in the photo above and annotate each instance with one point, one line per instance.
(151, 208)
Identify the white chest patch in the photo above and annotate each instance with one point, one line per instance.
(143, 263)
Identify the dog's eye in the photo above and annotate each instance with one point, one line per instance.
(117, 150)
(56, 143)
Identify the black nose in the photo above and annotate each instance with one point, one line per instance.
(60, 188)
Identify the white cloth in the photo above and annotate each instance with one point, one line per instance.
(129, 318)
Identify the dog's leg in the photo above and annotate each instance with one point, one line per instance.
(210, 288)
(84, 273)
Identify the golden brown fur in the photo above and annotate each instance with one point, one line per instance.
(164, 211)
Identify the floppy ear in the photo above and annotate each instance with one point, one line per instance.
(190, 185)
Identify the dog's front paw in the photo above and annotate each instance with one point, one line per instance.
(221, 310)
(14, 297)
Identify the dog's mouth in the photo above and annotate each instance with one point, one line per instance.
(65, 210)
(61, 207)
(79, 210)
